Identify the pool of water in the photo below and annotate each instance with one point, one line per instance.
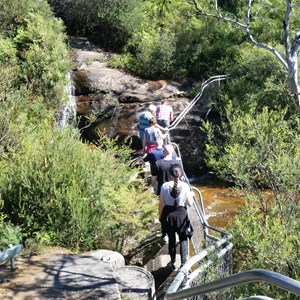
(220, 203)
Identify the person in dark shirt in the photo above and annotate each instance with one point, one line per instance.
(162, 170)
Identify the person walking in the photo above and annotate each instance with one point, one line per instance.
(162, 174)
(162, 170)
(151, 135)
(144, 122)
(164, 114)
(152, 158)
(175, 196)
(144, 119)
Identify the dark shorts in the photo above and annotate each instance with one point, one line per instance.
(163, 123)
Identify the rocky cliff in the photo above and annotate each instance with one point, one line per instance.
(109, 101)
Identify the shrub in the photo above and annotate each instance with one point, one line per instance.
(154, 55)
(34, 52)
(108, 23)
(78, 196)
(257, 80)
(45, 59)
(258, 152)
(264, 240)
(9, 234)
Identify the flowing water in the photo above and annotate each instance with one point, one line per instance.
(66, 115)
(220, 203)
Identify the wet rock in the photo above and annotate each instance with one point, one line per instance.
(110, 100)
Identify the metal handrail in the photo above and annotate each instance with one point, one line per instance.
(198, 207)
(256, 275)
(205, 266)
(10, 254)
(182, 274)
(196, 98)
(258, 298)
(197, 192)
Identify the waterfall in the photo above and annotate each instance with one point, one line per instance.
(67, 114)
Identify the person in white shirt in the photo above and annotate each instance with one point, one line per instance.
(175, 196)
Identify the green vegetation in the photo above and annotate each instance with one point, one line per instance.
(10, 234)
(58, 191)
(260, 154)
(54, 189)
(72, 195)
(152, 42)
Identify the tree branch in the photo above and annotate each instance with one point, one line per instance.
(296, 44)
(216, 16)
(286, 29)
(245, 27)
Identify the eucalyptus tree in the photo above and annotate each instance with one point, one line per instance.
(248, 17)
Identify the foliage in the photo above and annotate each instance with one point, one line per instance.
(109, 23)
(173, 43)
(257, 80)
(59, 191)
(265, 240)
(9, 234)
(41, 43)
(70, 194)
(33, 64)
(260, 151)
(33, 52)
(119, 61)
(154, 55)
(13, 106)
(12, 13)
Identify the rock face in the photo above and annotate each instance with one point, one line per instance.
(110, 100)
(100, 274)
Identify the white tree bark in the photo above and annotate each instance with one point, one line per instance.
(289, 62)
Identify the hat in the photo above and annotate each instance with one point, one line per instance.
(152, 107)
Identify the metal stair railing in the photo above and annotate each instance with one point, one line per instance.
(185, 284)
(257, 275)
(191, 273)
(217, 243)
(196, 98)
(218, 249)
(198, 201)
(258, 298)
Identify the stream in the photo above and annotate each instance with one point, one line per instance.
(220, 203)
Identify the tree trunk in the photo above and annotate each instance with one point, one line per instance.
(293, 80)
